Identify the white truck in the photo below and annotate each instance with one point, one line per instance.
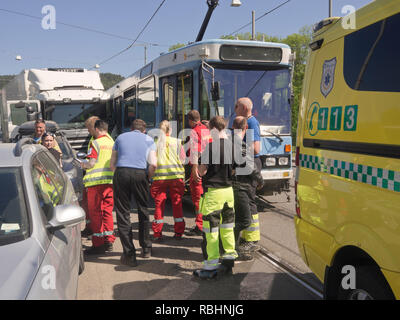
(67, 96)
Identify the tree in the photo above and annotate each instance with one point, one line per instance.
(176, 46)
(110, 79)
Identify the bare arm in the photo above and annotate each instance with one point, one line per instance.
(89, 164)
(256, 147)
(113, 161)
(152, 160)
(202, 170)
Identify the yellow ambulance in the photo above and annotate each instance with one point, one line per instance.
(348, 155)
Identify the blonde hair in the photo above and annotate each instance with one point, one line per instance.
(162, 139)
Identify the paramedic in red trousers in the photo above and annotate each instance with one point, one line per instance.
(199, 138)
(134, 162)
(89, 124)
(98, 181)
(169, 176)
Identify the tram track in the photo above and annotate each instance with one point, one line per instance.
(290, 270)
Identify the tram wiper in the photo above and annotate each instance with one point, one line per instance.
(276, 135)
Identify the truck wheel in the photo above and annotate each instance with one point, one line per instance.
(370, 285)
(81, 262)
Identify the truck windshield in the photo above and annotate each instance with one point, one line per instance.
(268, 89)
(73, 115)
(13, 214)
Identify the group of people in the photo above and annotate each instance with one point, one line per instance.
(137, 166)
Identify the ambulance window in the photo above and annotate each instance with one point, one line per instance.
(371, 57)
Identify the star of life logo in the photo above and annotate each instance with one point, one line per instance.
(328, 76)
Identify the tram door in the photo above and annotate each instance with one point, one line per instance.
(177, 99)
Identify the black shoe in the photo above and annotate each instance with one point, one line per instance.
(205, 274)
(194, 232)
(157, 239)
(108, 246)
(178, 236)
(95, 250)
(224, 270)
(146, 253)
(129, 260)
(244, 256)
(86, 232)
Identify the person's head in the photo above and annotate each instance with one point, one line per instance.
(89, 124)
(217, 122)
(48, 140)
(40, 128)
(193, 117)
(243, 107)
(100, 128)
(240, 125)
(138, 124)
(165, 127)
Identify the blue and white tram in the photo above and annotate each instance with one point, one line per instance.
(210, 76)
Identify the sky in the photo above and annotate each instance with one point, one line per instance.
(177, 21)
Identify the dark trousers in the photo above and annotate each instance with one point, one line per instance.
(244, 192)
(130, 182)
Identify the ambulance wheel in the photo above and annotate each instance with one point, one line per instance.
(370, 285)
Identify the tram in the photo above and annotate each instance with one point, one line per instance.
(210, 76)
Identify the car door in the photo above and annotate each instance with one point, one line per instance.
(61, 261)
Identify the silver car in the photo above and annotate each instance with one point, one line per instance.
(40, 238)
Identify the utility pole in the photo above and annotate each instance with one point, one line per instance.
(330, 8)
(253, 31)
(145, 54)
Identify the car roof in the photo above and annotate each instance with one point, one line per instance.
(8, 158)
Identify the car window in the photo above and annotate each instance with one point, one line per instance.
(48, 182)
(14, 224)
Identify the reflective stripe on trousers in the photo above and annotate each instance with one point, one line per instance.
(252, 233)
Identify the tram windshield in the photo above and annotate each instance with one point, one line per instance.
(268, 89)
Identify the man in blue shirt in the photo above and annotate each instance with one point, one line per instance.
(133, 161)
(248, 241)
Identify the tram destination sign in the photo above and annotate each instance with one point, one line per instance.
(253, 54)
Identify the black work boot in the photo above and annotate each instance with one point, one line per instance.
(129, 260)
(95, 250)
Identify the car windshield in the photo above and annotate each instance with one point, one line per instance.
(73, 115)
(13, 214)
(268, 89)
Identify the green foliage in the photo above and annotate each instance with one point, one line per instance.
(176, 46)
(110, 79)
(4, 79)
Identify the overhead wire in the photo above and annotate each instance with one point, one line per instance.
(262, 16)
(140, 33)
(82, 28)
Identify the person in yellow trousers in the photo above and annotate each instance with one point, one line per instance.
(169, 175)
(217, 203)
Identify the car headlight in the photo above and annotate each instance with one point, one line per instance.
(283, 161)
(269, 162)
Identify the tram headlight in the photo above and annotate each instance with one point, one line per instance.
(270, 162)
(284, 161)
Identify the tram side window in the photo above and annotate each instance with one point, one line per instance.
(371, 57)
(169, 111)
(146, 102)
(185, 94)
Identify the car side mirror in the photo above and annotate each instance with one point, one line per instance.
(65, 216)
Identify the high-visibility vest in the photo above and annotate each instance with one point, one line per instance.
(101, 173)
(48, 190)
(169, 165)
(92, 139)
